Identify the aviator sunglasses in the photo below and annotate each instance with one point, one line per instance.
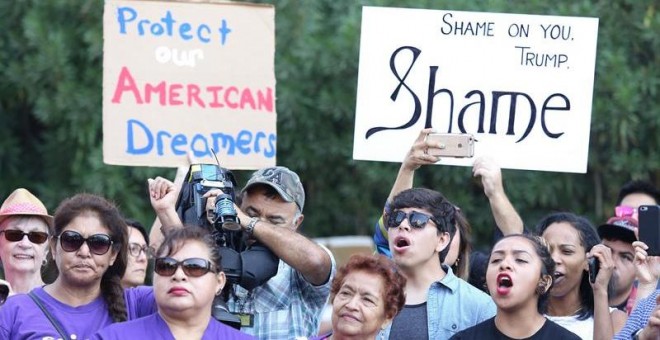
(193, 267)
(98, 244)
(13, 235)
(416, 219)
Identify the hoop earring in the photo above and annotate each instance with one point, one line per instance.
(540, 289)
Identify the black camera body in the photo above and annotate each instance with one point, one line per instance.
(243, 264)
(248, 264)
(204, 178)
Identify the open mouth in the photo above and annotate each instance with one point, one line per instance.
(557, 275)
(504, 281)
(401, 242)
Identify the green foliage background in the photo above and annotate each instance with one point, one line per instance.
(50, 106)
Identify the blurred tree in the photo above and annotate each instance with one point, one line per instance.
(50, 103)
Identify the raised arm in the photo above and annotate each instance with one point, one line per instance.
(647, 271)
(163, 195)
(505, 215)
(416, 157)
(606, 323)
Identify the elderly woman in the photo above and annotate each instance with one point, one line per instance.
(188, 275)
(366, 294)
(89, 249)
(24, 224)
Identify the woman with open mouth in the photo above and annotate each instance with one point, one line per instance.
(519, 278)
(576, 302)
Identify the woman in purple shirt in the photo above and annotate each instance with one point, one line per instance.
(89, 249)
(188, 276)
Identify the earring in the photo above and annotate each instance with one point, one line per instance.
(541, 288)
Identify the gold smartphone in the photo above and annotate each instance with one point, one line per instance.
(457, 145)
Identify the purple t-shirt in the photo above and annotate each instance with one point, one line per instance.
(21, 318)
(154, 327)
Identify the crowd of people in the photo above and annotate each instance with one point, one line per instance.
(562, 279)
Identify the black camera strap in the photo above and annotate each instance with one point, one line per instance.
(50, 317)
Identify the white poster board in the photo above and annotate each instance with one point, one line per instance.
(180, 77)
(522, 84)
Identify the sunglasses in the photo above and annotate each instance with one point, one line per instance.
(13, 235)
(135, 249)
(193, 267)
(98, 244)
(416, 219)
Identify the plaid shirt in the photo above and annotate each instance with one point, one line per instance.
(285, 307)
(639, 317)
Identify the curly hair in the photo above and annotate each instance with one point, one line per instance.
(588, 239)
(109, 216)
(394, 283)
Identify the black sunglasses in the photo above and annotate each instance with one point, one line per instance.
(98, 244)
(193, 267)
(13, 235)
(135, 249)
(416, 219)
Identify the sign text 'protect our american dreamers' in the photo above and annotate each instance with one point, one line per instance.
(189, 77)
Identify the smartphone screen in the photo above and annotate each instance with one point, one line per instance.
(649, 228)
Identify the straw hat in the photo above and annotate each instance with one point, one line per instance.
(22, 202)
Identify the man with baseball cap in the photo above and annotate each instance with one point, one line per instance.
(288, 306)
(618, 234)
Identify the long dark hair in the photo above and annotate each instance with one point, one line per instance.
(110, 217)
(588, 239)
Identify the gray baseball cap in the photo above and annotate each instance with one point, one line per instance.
(286, 182)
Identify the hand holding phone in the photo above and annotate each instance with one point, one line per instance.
(594, 267)
(458, 145)
(649, 228)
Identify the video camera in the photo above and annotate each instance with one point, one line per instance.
(248, 265)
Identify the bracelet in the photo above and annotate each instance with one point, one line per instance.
(249, 230)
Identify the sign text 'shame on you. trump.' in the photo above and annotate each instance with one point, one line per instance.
(521, 84)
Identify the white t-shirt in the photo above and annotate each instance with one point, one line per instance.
(583, 328)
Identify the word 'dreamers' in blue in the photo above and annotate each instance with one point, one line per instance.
(159, 143)
(130, 22)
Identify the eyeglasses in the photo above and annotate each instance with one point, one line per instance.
(193, 267)
(98, 244)
(13, 235)
(135, 249)
(416, 219)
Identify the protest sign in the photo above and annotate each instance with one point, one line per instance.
(180, 77)
(521, 84)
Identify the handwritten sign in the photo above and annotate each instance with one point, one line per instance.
(522, 84)
(180, 77)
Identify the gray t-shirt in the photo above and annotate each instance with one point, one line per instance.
(410, 323)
